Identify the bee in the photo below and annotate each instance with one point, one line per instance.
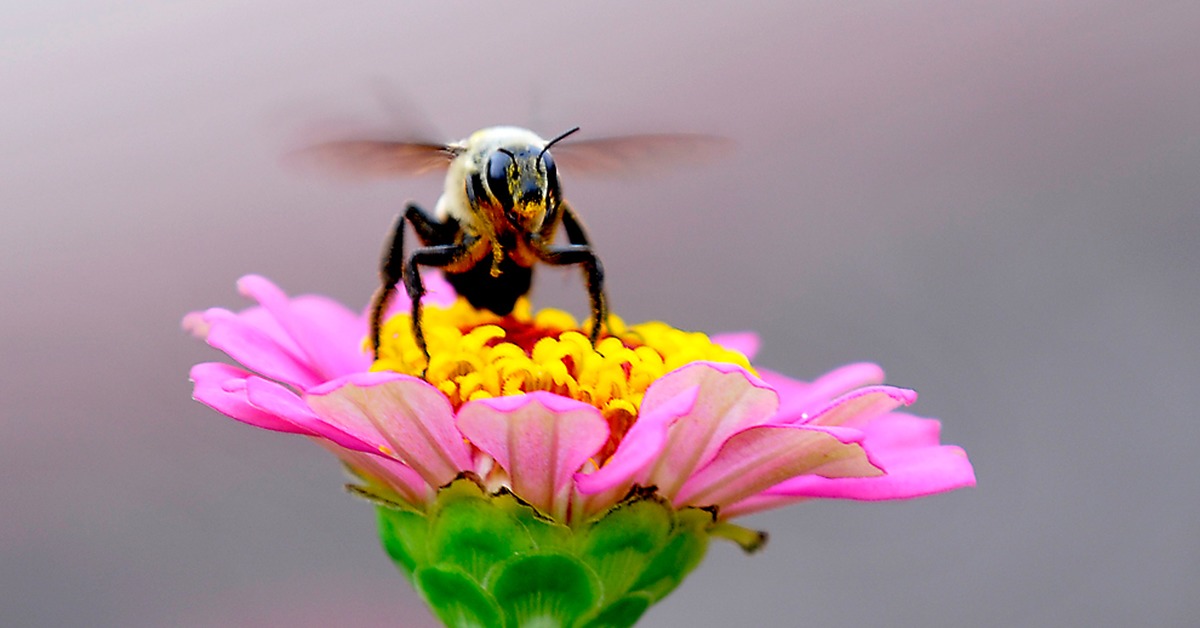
(497, 217)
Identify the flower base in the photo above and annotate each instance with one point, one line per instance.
(482, 559)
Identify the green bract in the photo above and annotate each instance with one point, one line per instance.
(489, 560)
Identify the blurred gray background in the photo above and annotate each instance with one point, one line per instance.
(997, 201)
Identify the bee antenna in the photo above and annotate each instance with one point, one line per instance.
(554, 141)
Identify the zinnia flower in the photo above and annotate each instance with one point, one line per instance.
(529, 475)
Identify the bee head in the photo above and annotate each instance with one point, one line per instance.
(523, 181)
(511, 170)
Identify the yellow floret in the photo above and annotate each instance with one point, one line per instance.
(475, 354)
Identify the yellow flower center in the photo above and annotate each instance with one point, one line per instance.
(476, 354)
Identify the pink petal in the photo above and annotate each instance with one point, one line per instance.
(744, 342)
(278, 400)
(800, 400)
(862, 406)
(438, 291)
(763, 456)
(758, 503)
(641, 445)
(402, 416)
(329, 336)
(907, 449)
(407, 483)
(223, 388)
(258, 343)
(729, 400)
(541, 439)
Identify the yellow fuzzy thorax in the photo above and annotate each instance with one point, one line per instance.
(476, 354)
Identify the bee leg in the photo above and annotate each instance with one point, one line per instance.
(436, 256)
(594, 273)
(391, 268)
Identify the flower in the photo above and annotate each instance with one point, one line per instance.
(522, 415)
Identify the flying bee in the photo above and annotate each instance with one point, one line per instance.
(498, 214)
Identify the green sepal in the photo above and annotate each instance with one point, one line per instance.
(749, 540)
(468, 531)
(403, 535)
(619, 545)
(623, 612)
(544, 589)
(456, 598)
(681, 554)
(543, 531)
(483, 559)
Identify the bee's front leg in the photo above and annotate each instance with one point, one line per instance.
(580, 252)
(583, 255)
(391, 268)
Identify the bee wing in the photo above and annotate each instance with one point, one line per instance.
(374, 159)
(639, 154)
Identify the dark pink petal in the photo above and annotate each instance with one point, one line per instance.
(793, 395)
(260, 345)
(200, 323)
(728, 400)
(862, 406)
(641, 445)
(280, 401)
(798, 400)
(744, 342)
(763, 456)
(223, 388)
(540, 439)
(329, 336)
(438, 291)
(907, 449)
(403, 417)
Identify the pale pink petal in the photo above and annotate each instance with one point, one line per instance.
(763, 456)
(860, 407)
(744, 342)
(541, 439)
(640, 446)
(798, 400)
(758, 503)
(280, 401)
(401, 416)
(329, 336)
(223, 388)
(729, 400)
(907, 449)
(407, 483)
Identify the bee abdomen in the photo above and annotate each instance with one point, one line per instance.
(496, 294)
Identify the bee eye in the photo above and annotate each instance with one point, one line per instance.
(551, 175)
(497, 178)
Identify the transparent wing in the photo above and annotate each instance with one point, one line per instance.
(631, 155)
(375, 159)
